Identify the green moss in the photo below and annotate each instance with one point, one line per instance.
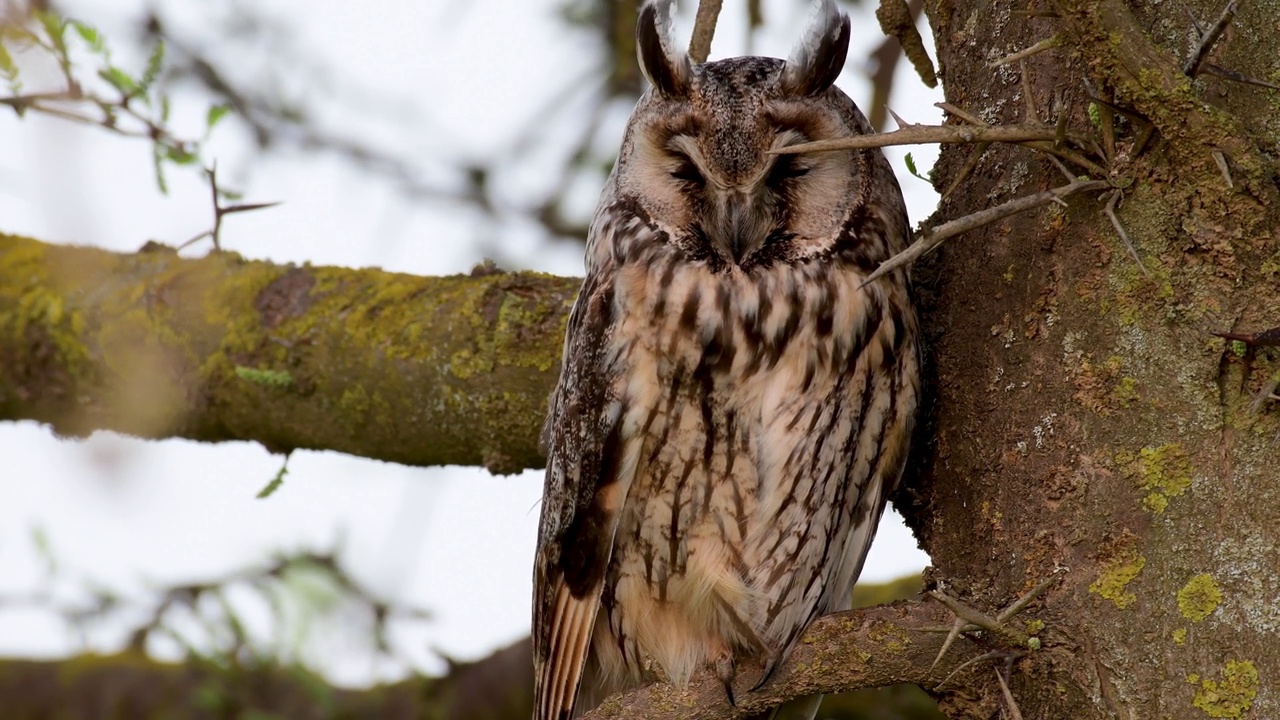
(1180, 636)
(1113, 581)
(1199, 598)
(1230, 697)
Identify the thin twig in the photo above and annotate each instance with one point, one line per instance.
(1192, 67)
(1124, 236)
(937, 235)
(704, 29)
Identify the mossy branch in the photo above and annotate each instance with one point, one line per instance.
(413, 370)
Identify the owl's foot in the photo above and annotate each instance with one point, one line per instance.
(969, 619)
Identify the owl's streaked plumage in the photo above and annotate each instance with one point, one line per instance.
(734, 406)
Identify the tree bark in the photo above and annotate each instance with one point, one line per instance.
(1085, 416)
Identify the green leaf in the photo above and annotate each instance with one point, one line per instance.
(911, 168)
(216, 113)
(179, 155)
(9, 70)
(1095, 114)
(155, 63)
(56, 29)
(120, 80)
(92, 38)
(44, 549)
(164, 109)
(276, 481)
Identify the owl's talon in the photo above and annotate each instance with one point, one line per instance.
(726, 672)
(767, 674)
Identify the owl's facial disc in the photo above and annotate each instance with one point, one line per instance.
(739, 209)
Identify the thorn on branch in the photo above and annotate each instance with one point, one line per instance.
(1207, 40)
(1236, 77)
(1124, 236)
(1221, 160)
(1014, 712)
(1047, 44)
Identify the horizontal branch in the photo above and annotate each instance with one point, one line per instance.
(872, 647)
(419, 371)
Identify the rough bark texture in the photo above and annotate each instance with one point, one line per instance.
(420, 371)
(1085, 417)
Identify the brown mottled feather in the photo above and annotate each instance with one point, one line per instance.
(735, 405)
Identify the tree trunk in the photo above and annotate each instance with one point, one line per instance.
(1085, 418)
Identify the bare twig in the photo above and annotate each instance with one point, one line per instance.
(704, 29)
(937, 235)
(1192, 67)
(1124, 236)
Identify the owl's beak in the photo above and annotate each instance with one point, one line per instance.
(741, 226)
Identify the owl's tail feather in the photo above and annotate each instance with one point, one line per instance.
(572, 620)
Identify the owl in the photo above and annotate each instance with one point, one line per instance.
(735, 405)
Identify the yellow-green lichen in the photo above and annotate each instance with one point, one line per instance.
(1180, 636)
(1126, 390)
(1230, 697)
(1113, 581)
(1199, 598)
(1164, 472)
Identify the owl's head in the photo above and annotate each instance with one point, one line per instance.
(696, 155)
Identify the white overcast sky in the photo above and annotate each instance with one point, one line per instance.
(129, 515)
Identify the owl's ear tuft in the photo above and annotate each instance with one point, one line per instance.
(817, 60)
(667, 70)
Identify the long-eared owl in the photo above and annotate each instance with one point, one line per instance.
(735, 404)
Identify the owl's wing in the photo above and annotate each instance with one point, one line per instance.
(581, 500)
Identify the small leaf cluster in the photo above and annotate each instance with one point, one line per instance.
(122, 101)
